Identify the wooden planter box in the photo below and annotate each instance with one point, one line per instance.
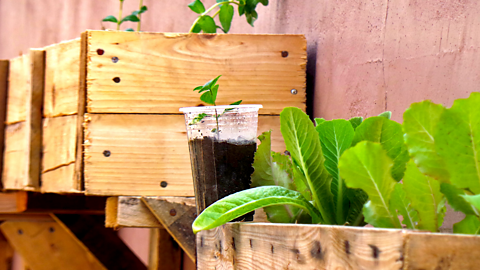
(111, 124)
(288, 246)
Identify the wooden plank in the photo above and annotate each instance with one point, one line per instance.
(157, 72)
(288, 246)
(62, 68)
(126, 211)
(6, 253)
(441, 251)
(18, 77)
(47, 245)
(23, 139)
(26, 217)
(133, 154)
(13, 202)
(104, 243)
(176, 216)
(59, 152)
(4, 66)
(165, 253)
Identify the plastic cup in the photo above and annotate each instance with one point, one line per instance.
(222, 142)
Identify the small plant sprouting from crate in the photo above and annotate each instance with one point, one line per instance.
(135, 16)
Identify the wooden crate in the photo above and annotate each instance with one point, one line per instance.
(24, 100)
(288, 246)
(114, 97)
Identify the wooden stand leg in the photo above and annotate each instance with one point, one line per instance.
(165, 253)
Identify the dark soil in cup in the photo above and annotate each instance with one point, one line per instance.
(220, 168)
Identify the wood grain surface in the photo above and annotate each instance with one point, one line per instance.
(62, 78)
(126, 211)
(13, 202)
(133, 154)
(156, 72)
(18, 84)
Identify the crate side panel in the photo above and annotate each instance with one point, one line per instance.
(18, 83)
(280, 246)
(13, 174)
(62, 72)
(59, 142)
(441, 251)
(155, 73)
(132, 154)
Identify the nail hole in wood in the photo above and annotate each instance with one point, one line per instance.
(20, 232)
(106, 153)
(201, 241)
(116, 79)
(251, 244)
(100, 51)
(284, 54)
(273, 249)
(347, 247)
(114, 59)
(173, 212)
(316, 251)
(233, 243)
(375, 251)
(51, 229)
(163, 184)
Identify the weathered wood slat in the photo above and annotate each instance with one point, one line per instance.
(176, 216)
(13, 202)
(4, 67)
(18, 78)
(47, 245)
(133, 154)
(280, 246)
(156, 72)
(288, 246)
(129, 212)
(13, 174)
(62, 83)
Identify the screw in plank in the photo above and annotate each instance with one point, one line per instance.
(106, 153)
(20, 232)
(100, 51)
(163, 184)
(116, 79)
(114, 59)
(173, 212)
(294, 91)
(51, 229)
(284, 54)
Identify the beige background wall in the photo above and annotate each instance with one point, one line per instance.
(365, 56)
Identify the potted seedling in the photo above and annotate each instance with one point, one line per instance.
(222, 144)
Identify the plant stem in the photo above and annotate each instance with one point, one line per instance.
(216, 119)
(216, 13)
(210, 9)
(120, 15)
(139, 16)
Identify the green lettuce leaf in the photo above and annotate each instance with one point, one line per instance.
(473, 200)
(356, 121)
(303, 143)
(357, 198)
(386, 114)
(458, 142)
(469, 225)
(318, 121)
(270, 172)
(243, 202)
(456, 200)
(335, 137)
(400, 202)
(390, 135)
(420, 123)
(367, 166)
(425, 196)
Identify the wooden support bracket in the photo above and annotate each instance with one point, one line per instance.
(127, 211)
(176, 214)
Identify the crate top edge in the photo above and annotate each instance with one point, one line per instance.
(181, 34)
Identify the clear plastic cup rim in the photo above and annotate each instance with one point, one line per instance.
(221, 107)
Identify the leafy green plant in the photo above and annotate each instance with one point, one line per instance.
(135, 16)
(209, 95)
(225, 10)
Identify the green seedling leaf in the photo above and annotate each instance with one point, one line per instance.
(130, 18)
(303, 143)
(130, 30)
(390, 135)
(335, 137)
(367, 166)
(458, 142)
(207, 24)
(473, 200)
(197, 6)
(251, 17)
(197, 119)
(356, 121)
(456, 200)
(236, 102)
(357, 198)
(425, 196)
(420, 123)
(270, 171)
(226, 16)
(400, 202)
(243, 202)
(110, 19)
(264, 2)
(387, 114)
(209, 90)
(469, 225)
(197, 28)
(318, 121)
